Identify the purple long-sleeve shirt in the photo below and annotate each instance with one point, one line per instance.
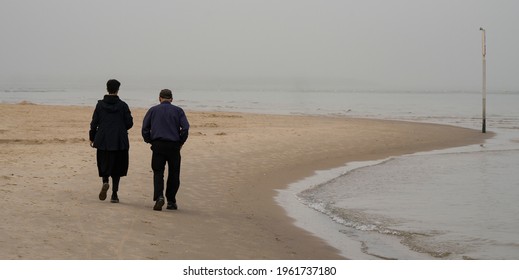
(165, 122)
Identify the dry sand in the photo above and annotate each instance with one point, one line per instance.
(232, 165)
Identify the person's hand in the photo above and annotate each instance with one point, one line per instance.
(92, 144)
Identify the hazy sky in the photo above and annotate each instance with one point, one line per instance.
(359, 44)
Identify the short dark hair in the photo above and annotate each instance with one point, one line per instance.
(166, 94)
(112, 86)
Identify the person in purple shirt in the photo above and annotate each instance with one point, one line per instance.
(166, 128)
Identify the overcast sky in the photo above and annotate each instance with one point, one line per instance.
(360, 44)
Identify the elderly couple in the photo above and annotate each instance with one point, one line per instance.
(165, 127)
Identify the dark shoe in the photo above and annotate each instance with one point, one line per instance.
(158, 204)
(104, 189)
(114, 198)
(172, 206)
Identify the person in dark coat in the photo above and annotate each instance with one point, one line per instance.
(109, 135)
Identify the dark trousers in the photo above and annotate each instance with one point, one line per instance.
(115, 182)
(166, 152)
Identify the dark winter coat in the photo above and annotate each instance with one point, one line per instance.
(110, 123)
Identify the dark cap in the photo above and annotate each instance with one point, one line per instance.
(166, 94)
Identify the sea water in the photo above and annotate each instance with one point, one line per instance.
(449, 204)
(452, 204)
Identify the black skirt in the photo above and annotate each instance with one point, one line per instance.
(112, 163)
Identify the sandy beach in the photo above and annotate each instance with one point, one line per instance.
(232, 165)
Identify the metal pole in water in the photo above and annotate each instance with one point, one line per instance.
(484, 90)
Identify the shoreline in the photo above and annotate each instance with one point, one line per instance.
(233, 165)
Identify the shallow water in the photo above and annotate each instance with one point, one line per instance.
(453, 205)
